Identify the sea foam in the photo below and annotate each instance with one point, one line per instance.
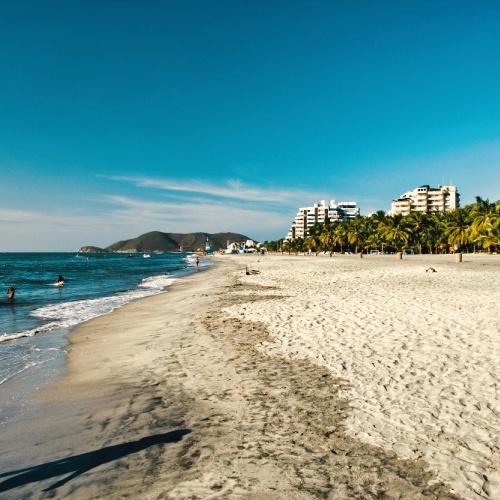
(71, 313)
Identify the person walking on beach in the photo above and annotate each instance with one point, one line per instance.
(11, 293)
(197, 263)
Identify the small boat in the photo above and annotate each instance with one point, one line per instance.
(146, 256)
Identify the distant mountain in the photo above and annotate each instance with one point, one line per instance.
(148, 242)
(156, 241)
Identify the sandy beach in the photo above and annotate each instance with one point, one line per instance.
(419, 352)
(317, 378)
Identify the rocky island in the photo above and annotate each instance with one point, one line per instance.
(91, 249)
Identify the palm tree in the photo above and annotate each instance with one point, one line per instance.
(457, 229)
(313, 240)
(356, 233)
(327, 237)
(281, 243)
(299, 245)
(482, 205)
(340, 235)
(378, 216)
(486, 219)
(434, 235)
(288, 246)
(396, 231)
(418, 223)
(484, 216)
(491, 240)
(375, 240)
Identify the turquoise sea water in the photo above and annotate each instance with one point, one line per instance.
(32, 329)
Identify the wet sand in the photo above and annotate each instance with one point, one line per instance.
(177, 396)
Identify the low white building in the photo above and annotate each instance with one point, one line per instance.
(427, 200)
(233, 247)
(320, 213)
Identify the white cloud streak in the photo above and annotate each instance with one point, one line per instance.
(231, 189)
(14, 216)
(197, 216)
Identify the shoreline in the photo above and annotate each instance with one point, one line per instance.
(86, 390)
(19, 389)
(53, 326)
(199, 408)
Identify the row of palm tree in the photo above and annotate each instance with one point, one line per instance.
(475, 227)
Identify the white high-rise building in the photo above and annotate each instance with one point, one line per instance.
(427, 200)
(320, 213)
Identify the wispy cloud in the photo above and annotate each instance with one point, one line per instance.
(14, 216)
(213, 216)
(232, 189)
(23, 230)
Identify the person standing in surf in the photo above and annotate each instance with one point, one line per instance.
(197, 263)
(11, 293)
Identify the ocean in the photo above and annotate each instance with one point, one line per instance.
(33, 329)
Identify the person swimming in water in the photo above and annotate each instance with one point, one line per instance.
(60, 280)
(11, 293)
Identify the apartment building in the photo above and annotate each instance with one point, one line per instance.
(320, 213)
(427, 200)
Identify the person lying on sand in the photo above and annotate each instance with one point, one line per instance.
(430, 270)
(248, 272)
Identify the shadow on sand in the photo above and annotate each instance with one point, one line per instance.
(78, 464)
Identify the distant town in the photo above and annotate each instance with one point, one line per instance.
(423, 199)
(424, 220)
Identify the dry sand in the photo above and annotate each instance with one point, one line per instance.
(272, 386)
(419, 352)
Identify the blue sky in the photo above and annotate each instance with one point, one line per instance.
(120, 117)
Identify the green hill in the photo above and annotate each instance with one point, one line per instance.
(167, 242)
